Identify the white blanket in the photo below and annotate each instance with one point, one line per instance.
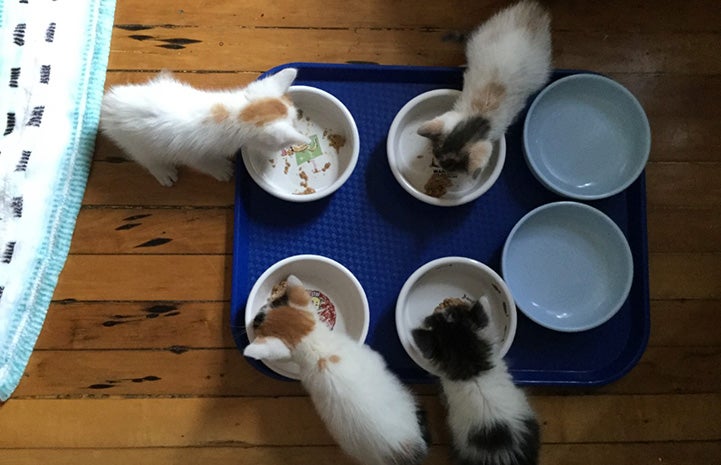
(53, 59)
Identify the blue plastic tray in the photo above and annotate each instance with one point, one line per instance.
(382, 234)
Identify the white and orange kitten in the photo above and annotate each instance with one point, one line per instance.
(165, 123)
(372, 416)
(509, 58)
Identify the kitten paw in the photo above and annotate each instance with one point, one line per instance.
(165, 176)
(222, 170)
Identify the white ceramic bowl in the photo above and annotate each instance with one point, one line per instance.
(586, 137)
(410, 155)
(568, 266)
(324, 117)
(332, 286)
(452, 277)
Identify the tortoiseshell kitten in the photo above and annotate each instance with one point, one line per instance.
(490, 420)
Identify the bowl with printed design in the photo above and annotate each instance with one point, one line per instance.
(336, 295)
(307, 172)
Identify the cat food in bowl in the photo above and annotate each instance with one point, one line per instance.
(338, 297)
(568, 265)
(411, 158)
(447, 281)
(586, 137)
(302, 173)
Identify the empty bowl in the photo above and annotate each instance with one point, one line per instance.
(568, 265)
(316, 170)
(337, 295)
(411, 158)
(452, 277)
(586, 137)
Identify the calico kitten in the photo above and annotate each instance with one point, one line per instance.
(164, 123)
(509, 58)
(366, 409)
(490, 420)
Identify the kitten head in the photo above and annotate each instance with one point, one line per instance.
(270, 113)
(282, 324)
(458, 141)
(455, 340)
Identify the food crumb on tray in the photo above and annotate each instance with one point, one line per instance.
(438, 184)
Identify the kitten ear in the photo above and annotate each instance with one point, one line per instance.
(267, 348)
(431, 129)
(479, 154)
(293, 281)
(424, 341)
(478, 313)
(298, 297)
(284, 78)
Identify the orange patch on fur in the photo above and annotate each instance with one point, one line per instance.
(489, 98)
(334, 359)
(298, 296)
(322, 364)
(288, 324)
(219, 112)
(431, 128)
(264, 111)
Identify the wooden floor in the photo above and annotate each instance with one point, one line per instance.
(136, 364)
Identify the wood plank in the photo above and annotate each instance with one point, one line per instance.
(131, 325)
(684, 230)
(224, 372)
(637, 15)
(221, 45)
(136, 325)
(680, 323)
(291, 421)
(145, 277)
(685, 276)
(176, 371)
(668, 453)
(156, 231)
(683, 185)
(128, 184)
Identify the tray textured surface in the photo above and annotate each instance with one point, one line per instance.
(382, 234)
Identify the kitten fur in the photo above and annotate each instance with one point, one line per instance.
(509, 58)
(490, 420)
(165, 123)
(370, 414)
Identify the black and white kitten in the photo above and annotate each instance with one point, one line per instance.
(490, 419)
(509, 58)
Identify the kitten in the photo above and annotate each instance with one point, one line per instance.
(509, 58)
(490, 420)
(164, 123)
(366, 409)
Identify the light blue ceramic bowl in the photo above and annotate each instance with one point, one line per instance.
(568, 266)
(586, 137)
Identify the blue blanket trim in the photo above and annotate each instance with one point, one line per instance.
(68, 194)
